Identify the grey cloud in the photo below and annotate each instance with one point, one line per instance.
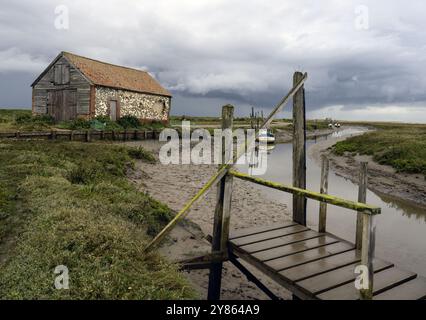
(242, 52)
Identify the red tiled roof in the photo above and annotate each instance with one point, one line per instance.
(109, 75)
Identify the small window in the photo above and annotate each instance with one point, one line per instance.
(61, 74)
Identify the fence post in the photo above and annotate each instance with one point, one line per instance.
(102, 137)
(53, 135)
(367, 253)
(71, 135)
(222, 212)
(17, 134)
(135, 135)
(113, 135)
(87, 135)
(362, 197)
(322, 221)
(299, 150)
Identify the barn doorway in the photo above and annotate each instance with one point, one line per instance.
(114, 110)
(62, 104)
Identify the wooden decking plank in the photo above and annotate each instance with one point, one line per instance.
(268, 235)
(321, 266)
(411, 290)
(294, 248)
(255, 230)
(281, 241)
(383, 280)
(330, 279)
(308, 256)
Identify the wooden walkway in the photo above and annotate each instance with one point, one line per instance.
(316, 265)
(310, 264)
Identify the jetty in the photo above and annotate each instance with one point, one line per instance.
(311, 264)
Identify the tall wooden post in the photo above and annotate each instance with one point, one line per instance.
(322, 221)
(362, 197)
(367, 253)
(222, 212)
(299, 151)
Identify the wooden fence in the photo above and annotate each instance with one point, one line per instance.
(83, 135)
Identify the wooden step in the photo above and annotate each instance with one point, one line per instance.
(307, 256)
(289, 249)
(383, 280)
(333, 278)
(412, 290)
(268, 235)
(281, 241)
(255, 230)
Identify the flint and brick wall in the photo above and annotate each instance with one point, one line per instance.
(143, 106)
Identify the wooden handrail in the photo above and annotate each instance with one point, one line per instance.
(356, 206)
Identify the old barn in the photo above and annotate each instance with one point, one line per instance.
(73, 87)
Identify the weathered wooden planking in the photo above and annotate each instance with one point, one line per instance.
(299, 151)
(307, 256)
(294, 248)
(383, 281)
(320, 266)
(268, 235)
(330, 279)
(281, 241)
(412, 290)
(255, 230)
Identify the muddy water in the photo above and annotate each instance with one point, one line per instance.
(401, 228)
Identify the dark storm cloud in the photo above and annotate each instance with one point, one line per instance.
(244, 52)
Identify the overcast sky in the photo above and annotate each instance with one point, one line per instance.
(365, 60)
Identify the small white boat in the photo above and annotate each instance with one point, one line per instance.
(266, 137)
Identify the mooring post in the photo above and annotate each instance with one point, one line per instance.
(367, 253)
(299, 150)
(322, 221)
(53, 135)
(222, 211)
(362, 197)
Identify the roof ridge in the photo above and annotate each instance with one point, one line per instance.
(103, 62)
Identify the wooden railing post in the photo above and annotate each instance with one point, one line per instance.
(367, 253)
(362, 198)
(299, 151)
(322, 221)
(222, 212)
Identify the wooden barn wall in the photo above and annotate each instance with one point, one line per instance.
(46, 83)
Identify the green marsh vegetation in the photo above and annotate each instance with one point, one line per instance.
(70, 203)
(402, 146)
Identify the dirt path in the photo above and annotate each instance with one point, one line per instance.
(382, 179)
(174, 185)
